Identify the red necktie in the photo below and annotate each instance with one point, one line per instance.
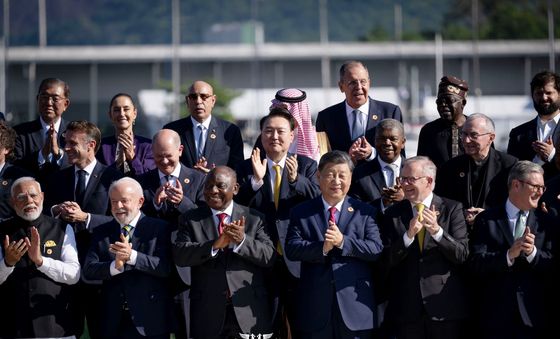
(221, 224)
(332, 216)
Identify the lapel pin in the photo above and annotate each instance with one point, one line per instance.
(374, 117)
(350, 209)
(4, 183)
(462, 174)
(186, 181)
(212, 136)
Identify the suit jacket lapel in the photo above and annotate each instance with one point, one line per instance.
(377, 177)
(190, 147)
(207, 225)
(343, 118)
(346, 214)
(211, 137)
(93, 181)
(503, 225)
(372, 117)
(321, 222)
(184, 179)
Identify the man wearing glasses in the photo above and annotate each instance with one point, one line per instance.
(349, 125)
(39, 144)
(478, 178)
(439, 139)
(511, 254)
(425, 244)
(209, 141)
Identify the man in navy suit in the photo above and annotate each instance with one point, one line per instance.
(535, 139)
(297, 182)
(229, 251)
(209, 141)
(350, 124)
(512, 258)
(132, 255)
(335, 238)
(39, 145)
(171, 188)
(425, 239)
(79, 195)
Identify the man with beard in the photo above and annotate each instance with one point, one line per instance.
(535, 139)
(38, 262)
(439, 139)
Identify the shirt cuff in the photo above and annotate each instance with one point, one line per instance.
(407, 240)
(551, 155)
(133, 256)
(113, 270)
(237, 248)
(533, 254)
(256, 184)
(509, 262)
(214, 252)
(373, 154)
(439, 234)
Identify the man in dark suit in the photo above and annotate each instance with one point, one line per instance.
(425, 239)
(439, 140)
(335, 238)
(478, 178)
(39, 145)
(228, 249)
(375, 182)
(171, 188)
(350, 124)
(132, 255)
(209, 141)
(535, 139)
(79, 195)
(8, 172)
(512, 258)
(273, 184)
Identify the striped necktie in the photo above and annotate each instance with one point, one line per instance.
(126, 229)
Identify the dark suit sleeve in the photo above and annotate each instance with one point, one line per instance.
(483, 259)
(306, 183)
(368, 248)
(187, 251)
(299, 249)
(94, 267)
(257, 249)
(454, 242)
(397, 114)
(157, 262)
(233, 136)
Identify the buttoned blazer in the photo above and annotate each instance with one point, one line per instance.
(430, 281)
(143, 286)
(242, 273)
(343, 277)
(525, 287)
(291, 194)
(224, 145)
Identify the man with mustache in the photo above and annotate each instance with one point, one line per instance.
(38, 262)
(439, 139)
(535, 139)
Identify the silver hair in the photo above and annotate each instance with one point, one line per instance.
(429, 169)
(136, 187)
(522, 169)
(21, 181)
(489, 123)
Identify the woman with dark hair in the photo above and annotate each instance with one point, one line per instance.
(131, 154)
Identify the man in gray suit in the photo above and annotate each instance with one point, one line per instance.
(229, 251)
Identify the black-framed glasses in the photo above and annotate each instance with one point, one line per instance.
(534, 187)
(409, 180)
(203, 96)
(472, 135)
(55, 98)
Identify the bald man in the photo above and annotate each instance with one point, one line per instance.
(209, 141)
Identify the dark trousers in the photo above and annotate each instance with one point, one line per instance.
(425, 328)
(283, 285)
(88, 308)
(128, 330)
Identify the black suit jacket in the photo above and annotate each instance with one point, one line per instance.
(505, 292)
(8, 175)
(224, 145)
(304, 188)
(453, 179)
(29, 142)
(241, 273)
(192, 182)
(334, 122)
(143, 287)
(96, 199)
(368, 182)
(429, 281)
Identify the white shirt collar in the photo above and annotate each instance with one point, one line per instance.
(89, 168)
(46, 126)
(364, 109)
(271, 163)
(426, 202)
(397, 162)
(228, 210)
(175, 172)
(327, 206)
(205, 123)
(512, 210)
(134, 220)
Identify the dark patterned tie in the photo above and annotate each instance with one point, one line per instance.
(80, 187)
